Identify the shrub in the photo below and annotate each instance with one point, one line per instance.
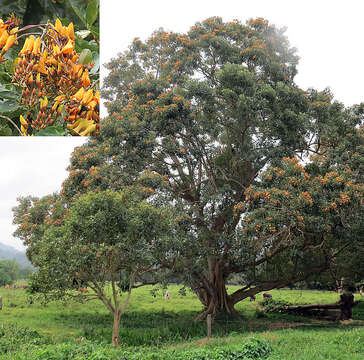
(273, 306)
(253, 349)
(14, 337)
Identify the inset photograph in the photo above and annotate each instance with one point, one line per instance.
(49, 68)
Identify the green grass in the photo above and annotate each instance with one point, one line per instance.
(154, 324)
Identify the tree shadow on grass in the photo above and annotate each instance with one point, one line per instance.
(145, 328)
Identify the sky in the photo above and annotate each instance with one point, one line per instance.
(30, 166)
(327, 34)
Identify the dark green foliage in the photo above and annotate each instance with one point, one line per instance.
(38, 11)
(252, 349)
(14, 337)
(272, 306)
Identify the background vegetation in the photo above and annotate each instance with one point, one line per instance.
(153, 325)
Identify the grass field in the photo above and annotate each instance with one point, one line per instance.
(152, 324)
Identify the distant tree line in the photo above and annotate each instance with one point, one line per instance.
(10, 271)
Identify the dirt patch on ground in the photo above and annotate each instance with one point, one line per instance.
(351, 322)
(269, 336)
(284, 325)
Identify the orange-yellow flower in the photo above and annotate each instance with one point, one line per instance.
(83, 127)
(87, 97)
(37, 80)
(70, 31)
(58, 26)
(79, 94)
(68, 48)
(3, 38)
(85, 80)
(36, 46)
(43, 103)
(40, 67)
(60, 98)
(23, 121)
(56, 50)
(28, 45)
(9, 43)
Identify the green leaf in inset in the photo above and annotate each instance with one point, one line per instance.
(8, 94)
(96, 61)
(85, 57)
(52, 131)
(83, 33)
(5, 130)
(8, 106)
(78, 8)
(92, 11)
(83, 44)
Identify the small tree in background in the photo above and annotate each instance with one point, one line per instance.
(108, 242)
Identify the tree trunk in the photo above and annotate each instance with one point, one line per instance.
(212, 293)
(346, 305)
(115, 328)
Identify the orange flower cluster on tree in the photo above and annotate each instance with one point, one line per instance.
(55, 83)
(312, 203)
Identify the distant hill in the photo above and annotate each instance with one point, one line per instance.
(10, 253)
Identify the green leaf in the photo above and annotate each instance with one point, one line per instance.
(83, 33)
(8, 94)
(52, 131)
(5, 130)
(78, 8)
(5, 76)
(85, 57)
(95, 32)
(96, 61)
(92, 11)
(83, 44)
(8, 106)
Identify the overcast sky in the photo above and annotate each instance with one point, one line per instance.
(327, 34)
(30, 166)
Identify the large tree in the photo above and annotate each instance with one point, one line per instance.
(199, 117)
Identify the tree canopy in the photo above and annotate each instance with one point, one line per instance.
(108, 242)
(212, 122)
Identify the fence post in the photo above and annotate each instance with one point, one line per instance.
(208, 326)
